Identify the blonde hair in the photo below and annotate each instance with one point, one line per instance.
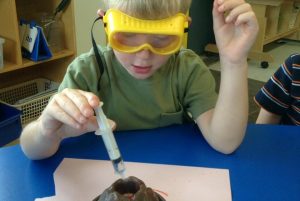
(150, 9)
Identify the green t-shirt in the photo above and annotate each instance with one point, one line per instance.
(184, 85)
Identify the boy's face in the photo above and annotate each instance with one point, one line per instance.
(142, 64)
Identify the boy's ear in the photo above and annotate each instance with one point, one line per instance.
(189, 20)
(100, 12)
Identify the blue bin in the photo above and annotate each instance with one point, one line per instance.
(10, 124)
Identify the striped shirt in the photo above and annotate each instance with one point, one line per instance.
(281, 94)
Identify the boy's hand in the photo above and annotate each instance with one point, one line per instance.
(69, 112)
(236, 32)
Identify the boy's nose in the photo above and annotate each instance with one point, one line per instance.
(144, 53)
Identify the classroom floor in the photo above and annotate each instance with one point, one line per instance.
(257, 76)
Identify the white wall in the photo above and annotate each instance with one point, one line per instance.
(85, 14)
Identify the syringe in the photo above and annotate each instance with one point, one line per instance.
(110, 141)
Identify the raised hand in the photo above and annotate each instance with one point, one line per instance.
(235, 31)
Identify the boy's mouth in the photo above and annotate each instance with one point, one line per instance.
(141, 69)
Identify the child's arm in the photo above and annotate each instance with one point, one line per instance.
(266, 117)
(69, 113)
(278, 97)
(224, 126)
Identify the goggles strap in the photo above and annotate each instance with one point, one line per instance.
(97, 55)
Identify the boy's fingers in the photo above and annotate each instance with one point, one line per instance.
(218, 17)
(92, 99)
(244, 8)
(249, 19)
(65, 103)
(112, 124)
(81, 101)
(57, 113)
(77, 104)
(227, 5)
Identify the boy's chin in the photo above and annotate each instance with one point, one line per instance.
(141, 77)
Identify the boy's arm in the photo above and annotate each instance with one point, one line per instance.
(224, 126)
(35, 144)
(266, 117)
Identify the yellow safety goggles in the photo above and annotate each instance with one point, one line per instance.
(128, 34)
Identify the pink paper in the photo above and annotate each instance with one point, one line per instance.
(83, 180)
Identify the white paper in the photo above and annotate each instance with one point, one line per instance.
(29, 37)
(83, 180)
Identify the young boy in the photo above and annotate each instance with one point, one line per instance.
(149, 82)
(279, 97)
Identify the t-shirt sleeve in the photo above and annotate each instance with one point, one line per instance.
(199, 88)
(274, 96)
(82, 74)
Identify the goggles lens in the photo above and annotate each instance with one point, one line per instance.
(128, 34)
(132, 42)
